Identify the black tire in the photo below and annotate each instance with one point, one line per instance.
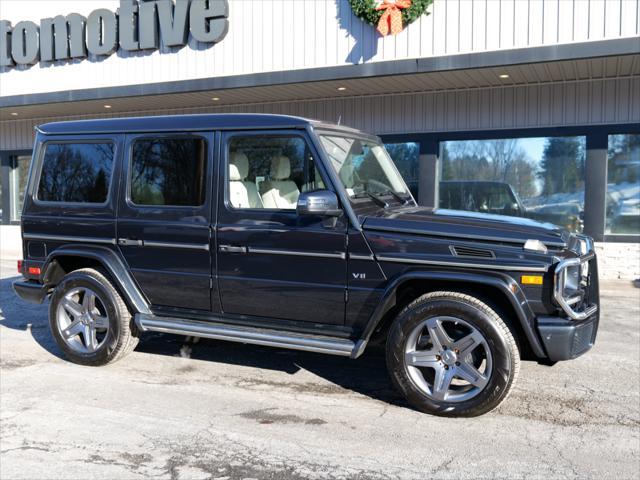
(499, 339)
(122, 335)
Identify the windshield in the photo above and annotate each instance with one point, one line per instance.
(364, 167)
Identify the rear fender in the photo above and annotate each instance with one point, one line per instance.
(52, 272)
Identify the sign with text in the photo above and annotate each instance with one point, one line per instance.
(136, 25)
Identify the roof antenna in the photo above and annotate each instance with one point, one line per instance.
(339, 119)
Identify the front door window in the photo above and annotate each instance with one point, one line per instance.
(270, 172)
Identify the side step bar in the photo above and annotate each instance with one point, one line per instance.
(255, 336)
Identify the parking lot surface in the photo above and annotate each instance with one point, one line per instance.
(183, 409)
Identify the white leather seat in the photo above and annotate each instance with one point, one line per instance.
(242, 194)
(280, 192)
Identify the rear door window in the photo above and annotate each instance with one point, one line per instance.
(76, 172)
(168, 172)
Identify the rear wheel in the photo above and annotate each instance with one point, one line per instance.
(452, 355)
(89, 319)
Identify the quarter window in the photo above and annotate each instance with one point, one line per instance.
(169, 172)
(270, 172)
(76, 172)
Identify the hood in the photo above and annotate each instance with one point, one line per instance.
(466, 225)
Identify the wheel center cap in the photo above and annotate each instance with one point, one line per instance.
(449, 357)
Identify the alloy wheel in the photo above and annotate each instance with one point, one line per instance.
(448, 359)
(82, 320)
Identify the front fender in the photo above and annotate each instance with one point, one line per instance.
(109, 259)
(504, 283)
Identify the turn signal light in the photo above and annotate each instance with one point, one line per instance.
(34, 270)
(531, 280)
(19, 266)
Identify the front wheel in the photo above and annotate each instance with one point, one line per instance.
(450, 354)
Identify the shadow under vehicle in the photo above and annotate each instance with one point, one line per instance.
(287, 232)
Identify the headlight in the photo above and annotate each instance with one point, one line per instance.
(572, 280)
(570, 283)
(584, 270)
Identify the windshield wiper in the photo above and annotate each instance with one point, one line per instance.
(377, 200)
(401, 199)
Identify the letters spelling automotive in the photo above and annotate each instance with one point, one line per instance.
(134, 26)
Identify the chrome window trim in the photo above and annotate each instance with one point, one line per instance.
(558, 288)
(185, 246)
(299, 253)
(513, 268)
(69, 238)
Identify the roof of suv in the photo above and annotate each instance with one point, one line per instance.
(173, 123)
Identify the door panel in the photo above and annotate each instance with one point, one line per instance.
(272, 262)
(164, 221)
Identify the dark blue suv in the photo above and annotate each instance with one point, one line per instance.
(288, 232)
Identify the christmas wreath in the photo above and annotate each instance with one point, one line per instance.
(390, 16)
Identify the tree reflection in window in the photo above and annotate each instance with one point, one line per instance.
(168, 172)
(541, 178)
(76, 172)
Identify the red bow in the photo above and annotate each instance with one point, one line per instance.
(391, 19)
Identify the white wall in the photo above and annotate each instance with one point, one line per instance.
(618, 260)
(274, 35)
(10, 242)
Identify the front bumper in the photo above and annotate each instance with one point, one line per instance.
(565, 339)
(30, 291)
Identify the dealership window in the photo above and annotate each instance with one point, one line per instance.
(406, 156)
(19, 174)
(75, 172)
(623, 185)
(270, 172)
(539, 178)
(169, 172)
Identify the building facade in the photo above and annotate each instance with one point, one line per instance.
(515, 107)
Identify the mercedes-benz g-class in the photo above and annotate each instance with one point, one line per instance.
(282, 231)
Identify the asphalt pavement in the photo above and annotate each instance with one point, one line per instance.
(179, 408)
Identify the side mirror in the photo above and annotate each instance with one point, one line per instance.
(320, 202)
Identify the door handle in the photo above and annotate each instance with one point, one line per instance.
(232, 249)
(129, 242)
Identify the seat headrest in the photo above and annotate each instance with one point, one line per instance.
(280, 167)
(238, 166)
